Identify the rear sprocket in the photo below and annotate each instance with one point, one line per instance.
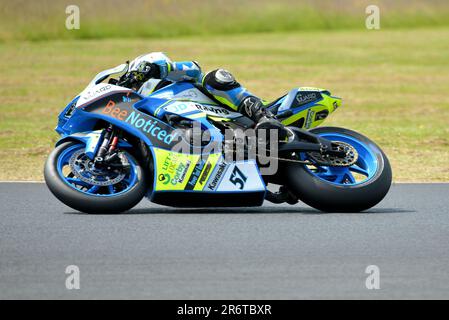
(328, 159)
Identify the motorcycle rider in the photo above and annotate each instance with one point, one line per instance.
(219, 83)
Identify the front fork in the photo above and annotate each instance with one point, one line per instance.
(107, 148)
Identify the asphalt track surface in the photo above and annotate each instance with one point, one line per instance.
(271, 252)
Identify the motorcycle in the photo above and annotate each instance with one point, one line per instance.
(118, 146)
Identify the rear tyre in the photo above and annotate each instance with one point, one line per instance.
(334, 189)
(90, 198)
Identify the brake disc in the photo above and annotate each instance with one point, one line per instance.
(351, 156)
(84, 169)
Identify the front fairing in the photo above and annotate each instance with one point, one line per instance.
(65, 115)
(70, 108)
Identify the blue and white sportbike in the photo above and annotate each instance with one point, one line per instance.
(117, 146)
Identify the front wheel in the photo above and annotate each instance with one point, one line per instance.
(353, 188)
(75, 180)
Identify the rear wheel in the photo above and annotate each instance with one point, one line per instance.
(342, 188)
(73, 178)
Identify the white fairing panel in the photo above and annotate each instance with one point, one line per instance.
(119, 70)
(192, 94)
(184, 107)
(235, 177)
(149, 57)
(93, 93)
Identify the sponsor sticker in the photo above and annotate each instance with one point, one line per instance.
(164, 178)
(96, 92)
(205, 174)
(195, 174)
(309, 119)
(187, 107)
(174, 169)
(214, 182)
(306, 97)
(216, 110)
(120, 107)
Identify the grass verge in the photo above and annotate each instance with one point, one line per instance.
(394, 86)
(39, 20)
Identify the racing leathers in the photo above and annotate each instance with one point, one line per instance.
(219, 83)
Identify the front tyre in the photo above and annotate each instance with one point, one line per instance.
(72, 178)
(342, 189)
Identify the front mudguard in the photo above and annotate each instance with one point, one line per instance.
(92, 140)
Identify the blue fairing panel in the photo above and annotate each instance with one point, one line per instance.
(124, 111)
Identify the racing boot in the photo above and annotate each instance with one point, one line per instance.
(265, 120)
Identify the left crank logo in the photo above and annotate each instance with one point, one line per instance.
(164, 178)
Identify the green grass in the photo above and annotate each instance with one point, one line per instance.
(394, 86)
(39, 20)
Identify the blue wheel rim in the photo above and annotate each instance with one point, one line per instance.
(123, 186)
(361, 172)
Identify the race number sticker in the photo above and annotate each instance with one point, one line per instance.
(239, 176)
